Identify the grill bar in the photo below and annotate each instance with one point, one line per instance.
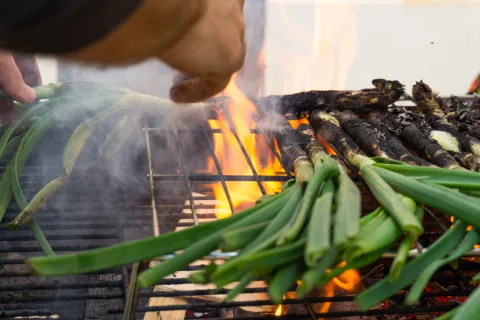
(186, 179)
(185, 186)
(242, 147)
(211, 149)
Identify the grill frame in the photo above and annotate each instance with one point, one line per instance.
(125, 286)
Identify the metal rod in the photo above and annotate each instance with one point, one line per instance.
(279, 158)
(245, 153)
(185, 179)
(219, 170)
(388, 255)
(200, 306)
(218, 178)
(111, 296)
(131, 297)
(156, 227)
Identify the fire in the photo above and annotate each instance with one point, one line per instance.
(232, 161)
(296, 123)
(333, 48)
(279, 311)
(347, 281)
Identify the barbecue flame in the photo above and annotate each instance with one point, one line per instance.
(347, 281)
(236, 124)
(279, 310)
(332, 53)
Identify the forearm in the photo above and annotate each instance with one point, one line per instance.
(105, 31)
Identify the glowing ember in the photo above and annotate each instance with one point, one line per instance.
(326, 146)
(296, 123)
(279, 311)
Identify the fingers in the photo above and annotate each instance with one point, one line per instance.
(189, 90)
(210, 53)
(11, 80)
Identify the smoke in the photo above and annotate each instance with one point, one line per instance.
(269, 119)
(115, 193)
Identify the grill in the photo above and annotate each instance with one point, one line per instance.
(156, 190)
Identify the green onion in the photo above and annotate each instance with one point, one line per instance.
(377, 236)
(358, 263)
(470, 240)
(239, 238)
(24, 150)
(117, 138)
(384, 288)
(203, 276)
(77, 89)
(348, 202)
(208, 244)
(387, 161)
(452, 203)
(315, 273)
(470, 308)
(365, 220)
(138, 250)
(282, 280)
(226, 274)
(389, 200)
(328, 169)
(22, 117)
(318, 239)
(461, 179)
(402, 253)
(266, 259)
(476, 277)
(6, 191)
(241, 286)
(269, 235)
(372, 225)
(12, 145)
(475, 194)
(40, 238)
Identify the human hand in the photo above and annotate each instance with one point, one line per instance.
(209, 53)
(17, 74)
(204, 40)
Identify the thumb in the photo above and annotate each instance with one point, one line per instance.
(188, 90)
(11, 80)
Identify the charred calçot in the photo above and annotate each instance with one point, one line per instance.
(328, 127)
(451, 144)
(406, 125)
(292, 153)
(367, 137)
(385, 92)
(466, 116)
(397, 147)
(431, 105)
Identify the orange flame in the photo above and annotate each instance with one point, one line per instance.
(348, 281)
(296, 123)
(279, 310)
(231, 158)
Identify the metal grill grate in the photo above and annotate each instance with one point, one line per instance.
(170, 193)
